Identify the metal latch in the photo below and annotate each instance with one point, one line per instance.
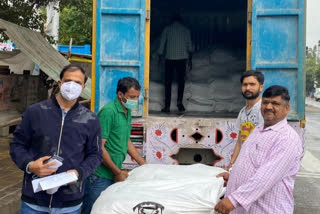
(148, 14)
(146, 93)
(250, 17)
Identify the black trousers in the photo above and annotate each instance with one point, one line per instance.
(180, 67)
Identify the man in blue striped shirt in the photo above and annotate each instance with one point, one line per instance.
(176, 40)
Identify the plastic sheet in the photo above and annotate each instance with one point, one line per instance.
(192, 189)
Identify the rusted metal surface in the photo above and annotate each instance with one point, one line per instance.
(17, 92)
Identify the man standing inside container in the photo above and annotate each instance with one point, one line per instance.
(115, 120)
(262, 179)
(176, 40)
(250, 115)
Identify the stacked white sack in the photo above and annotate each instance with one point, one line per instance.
(213, 84)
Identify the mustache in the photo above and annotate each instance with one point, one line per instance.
(268, 110)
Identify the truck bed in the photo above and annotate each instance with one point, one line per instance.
(191, 114)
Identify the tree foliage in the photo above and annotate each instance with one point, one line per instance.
(312, 68)
(23, 13)
(76, 23)
(75, 17)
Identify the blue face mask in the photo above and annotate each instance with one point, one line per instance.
(130, 104)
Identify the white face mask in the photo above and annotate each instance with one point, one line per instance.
(71, 90)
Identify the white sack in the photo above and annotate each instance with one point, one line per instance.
(213, 84)
(192, 189)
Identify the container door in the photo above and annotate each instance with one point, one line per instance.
(278, 47)
(120, 32)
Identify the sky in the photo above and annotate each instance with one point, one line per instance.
(313, 22)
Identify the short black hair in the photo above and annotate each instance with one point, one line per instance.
(176, 17)
(277, 90)
(257, 74)
(126, 83)
(72, 68)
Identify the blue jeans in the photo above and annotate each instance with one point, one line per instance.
(25, 209)
(93, 187)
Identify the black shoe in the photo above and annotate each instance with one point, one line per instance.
(181, 108)
(165, 110)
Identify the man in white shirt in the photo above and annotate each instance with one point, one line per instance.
(176, 40)
(250, 115)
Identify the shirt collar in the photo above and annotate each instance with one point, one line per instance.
(64, 112)
(276, 127)
(176, 23)
(55, 101)
(118, 105)
(256, 104)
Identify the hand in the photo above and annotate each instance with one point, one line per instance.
(40, 168)
(121, 176)
(190, 64)
(224, 206)
(142, 162)
(77, 174)
(225, 176)
(229, 167)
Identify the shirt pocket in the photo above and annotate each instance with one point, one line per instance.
(258, 155)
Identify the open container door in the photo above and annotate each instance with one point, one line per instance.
(278, 45)
(119, 46)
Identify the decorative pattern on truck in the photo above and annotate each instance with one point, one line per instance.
(179, 141)
(137, 138)
(168, 140)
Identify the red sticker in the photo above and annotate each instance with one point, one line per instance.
(233, 135)
(159, 155)
(158, 132)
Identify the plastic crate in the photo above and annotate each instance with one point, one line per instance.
(76, 49)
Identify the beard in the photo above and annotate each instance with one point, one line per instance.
(250, 95)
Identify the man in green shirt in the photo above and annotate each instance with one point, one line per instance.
(115, 121)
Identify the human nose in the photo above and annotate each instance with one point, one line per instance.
(246, 87)
(269, 106)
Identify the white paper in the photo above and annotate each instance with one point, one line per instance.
(53, 181)
(57, 164)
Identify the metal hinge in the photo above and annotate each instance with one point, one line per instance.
(303, 123)
(250, 17)
(148, 14)
(146, 93)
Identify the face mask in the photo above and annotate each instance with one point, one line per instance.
(71, 90)
(130, 104)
